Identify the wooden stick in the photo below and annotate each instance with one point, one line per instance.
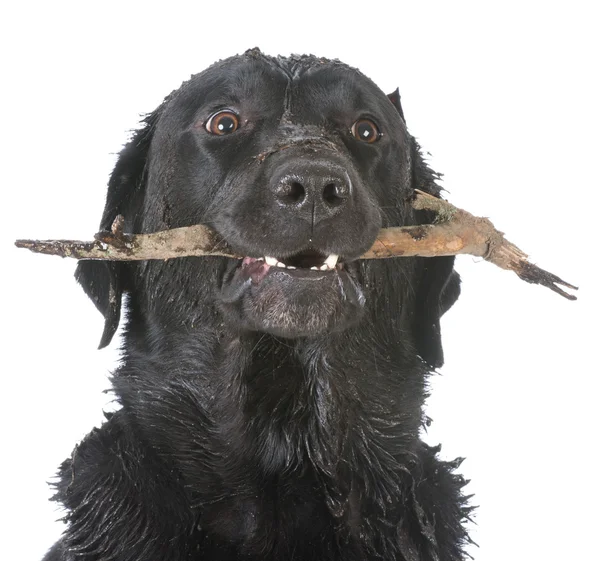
(454, 232)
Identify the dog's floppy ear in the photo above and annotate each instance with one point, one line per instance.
(439, 286)
(104, 281)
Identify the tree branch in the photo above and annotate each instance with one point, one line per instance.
(454, 232)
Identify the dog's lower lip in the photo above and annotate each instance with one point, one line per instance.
(251, 274)
(257, 269)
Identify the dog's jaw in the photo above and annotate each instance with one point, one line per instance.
(291, 302)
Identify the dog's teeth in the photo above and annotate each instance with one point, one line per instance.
(331, 261)
(314, 269)
(280, 264)
(271, 261)
(324, 267)
(290, 267)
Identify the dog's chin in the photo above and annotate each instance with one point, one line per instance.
(291, 303)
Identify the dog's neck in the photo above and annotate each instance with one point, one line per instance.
(291, 414)
(282, 402)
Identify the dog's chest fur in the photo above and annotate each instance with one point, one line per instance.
(282, 445)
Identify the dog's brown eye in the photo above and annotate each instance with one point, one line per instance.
(223, 122)
(366, 131)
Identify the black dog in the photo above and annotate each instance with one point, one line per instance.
(271, 406)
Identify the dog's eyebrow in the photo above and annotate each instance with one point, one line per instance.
(241, 91)
(339, 99)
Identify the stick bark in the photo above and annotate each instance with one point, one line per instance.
(454, 232)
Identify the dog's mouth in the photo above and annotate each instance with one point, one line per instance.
(299, 294)
(308, 263)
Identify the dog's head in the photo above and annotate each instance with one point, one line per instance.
(297, 163)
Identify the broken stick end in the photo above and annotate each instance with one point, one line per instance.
(535, 275)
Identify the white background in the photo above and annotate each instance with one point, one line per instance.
(505, 98)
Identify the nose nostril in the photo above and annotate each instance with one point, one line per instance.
(291, 192)
(333, 195)
(296, 192)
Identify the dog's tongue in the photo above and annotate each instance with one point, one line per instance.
(256, 269)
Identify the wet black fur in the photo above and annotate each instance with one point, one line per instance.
(233, 443)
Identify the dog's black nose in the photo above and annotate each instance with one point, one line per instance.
(312, 190)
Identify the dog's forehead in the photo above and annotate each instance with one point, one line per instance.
(299, 82)
(249, 71)
(335, 87)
